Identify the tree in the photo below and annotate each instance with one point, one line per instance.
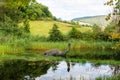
(11, 15)
(55, 34)
(115, 15)
(10, 27)
(74, 33)
(96, 28)
(37, 11)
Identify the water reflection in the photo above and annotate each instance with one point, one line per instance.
(21, 69)
(115, 69)
(78, 71)
(49, 70)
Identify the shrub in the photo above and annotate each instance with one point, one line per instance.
(101, 36)
(74, 33)
(55, 34)
(10, 27)
(26, 26)
(87, 36)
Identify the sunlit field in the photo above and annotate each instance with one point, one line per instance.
(42, 28)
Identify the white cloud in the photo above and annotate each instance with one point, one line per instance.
(68, 9)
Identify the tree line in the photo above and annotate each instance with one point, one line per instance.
(14, 12)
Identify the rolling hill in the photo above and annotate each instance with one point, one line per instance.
(42, 28)
(99, 20)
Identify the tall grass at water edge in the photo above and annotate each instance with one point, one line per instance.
(13, 46)
(79, 49)
(17, 46)
(75, 45)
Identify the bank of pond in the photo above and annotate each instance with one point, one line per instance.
(79, 49)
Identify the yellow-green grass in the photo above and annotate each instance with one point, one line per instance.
(42, 28)
(75, 45)
(6, 49)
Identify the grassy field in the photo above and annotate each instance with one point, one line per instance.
(42, 28)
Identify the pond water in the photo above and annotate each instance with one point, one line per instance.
(57, 70)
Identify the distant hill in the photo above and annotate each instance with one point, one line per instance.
(99, 20)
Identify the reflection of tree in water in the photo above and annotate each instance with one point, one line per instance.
(115, 69)
(55, 64)
(17, 69)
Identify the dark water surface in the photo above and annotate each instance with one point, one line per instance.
(57, 70)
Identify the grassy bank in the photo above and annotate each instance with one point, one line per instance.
(36, 57)
(75, 45)
(79, 49)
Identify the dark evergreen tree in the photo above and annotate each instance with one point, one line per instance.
(55, 34)
(74, 33)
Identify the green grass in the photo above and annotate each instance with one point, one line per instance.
(6, 49)
(36, 57)
(79, 48)
(42, 28)
(116, 77)
(75, 45)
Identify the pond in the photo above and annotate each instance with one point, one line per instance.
(54, 70)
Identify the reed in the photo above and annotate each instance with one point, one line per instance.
(75, 45)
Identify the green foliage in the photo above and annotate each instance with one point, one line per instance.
(96, 28)
(26, 26)
(110, 27)
(55, 34)
(10, 27)
(115, 14)
(18, 10)
(74, 33)
(101, 36)
(87, 36)
(36, 11)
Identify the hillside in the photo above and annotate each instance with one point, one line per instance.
(42, 28)
(99, 20)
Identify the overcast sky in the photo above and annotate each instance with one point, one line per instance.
(69, 9)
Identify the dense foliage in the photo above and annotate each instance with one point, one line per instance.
(55, 34)
(74, 33)
(9, 27)
(36, 11)
(14, 12)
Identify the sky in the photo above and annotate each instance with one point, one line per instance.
(69, 9)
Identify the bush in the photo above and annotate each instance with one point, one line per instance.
(110, 27)
(74, 33)
(101, 36)
(10, 27)
(96, 28)
(26, 26)
(55, 34)
(87, 36)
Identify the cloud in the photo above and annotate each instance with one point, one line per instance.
(68, 9)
